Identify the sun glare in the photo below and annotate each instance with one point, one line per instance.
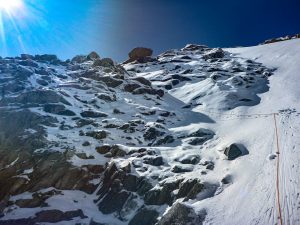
(12, 14)
(10, 5)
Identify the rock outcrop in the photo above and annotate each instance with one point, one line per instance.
(140, 55)
(288, 37)
(234, 151)
(180, 214)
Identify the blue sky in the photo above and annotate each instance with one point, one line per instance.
(114, 27)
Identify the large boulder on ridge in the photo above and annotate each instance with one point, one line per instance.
(140, 52)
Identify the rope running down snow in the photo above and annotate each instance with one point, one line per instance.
(277, 171)
(277, 148)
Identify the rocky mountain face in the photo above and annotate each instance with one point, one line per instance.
(90, 141)
(288, 37)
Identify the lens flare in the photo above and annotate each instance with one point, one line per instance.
(11, 15)
(9, 5)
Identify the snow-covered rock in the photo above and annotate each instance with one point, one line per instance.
(88, 141)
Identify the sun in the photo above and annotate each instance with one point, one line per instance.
(10, 5)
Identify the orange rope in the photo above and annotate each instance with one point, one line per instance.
(277, 171)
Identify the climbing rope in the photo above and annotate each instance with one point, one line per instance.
(277, 171)
(255, 116)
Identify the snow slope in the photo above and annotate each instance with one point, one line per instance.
(252, 197)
